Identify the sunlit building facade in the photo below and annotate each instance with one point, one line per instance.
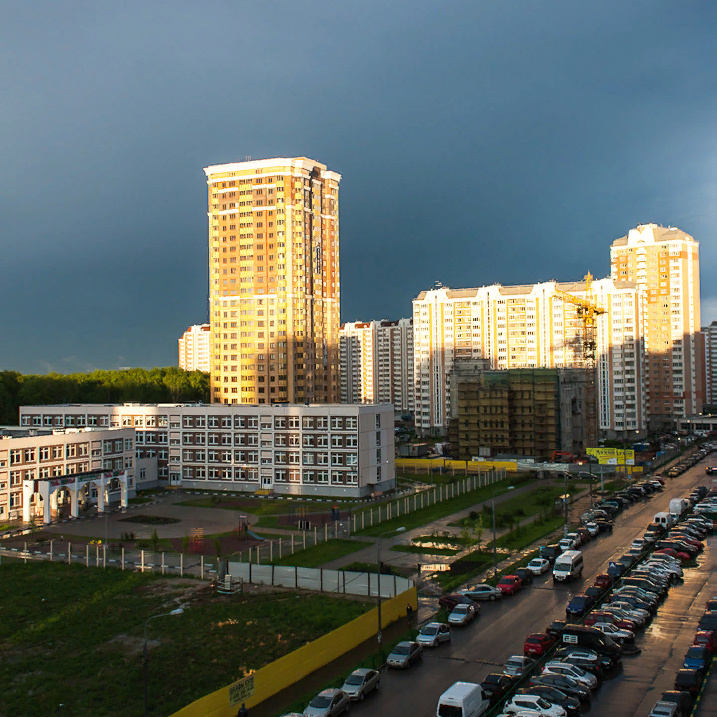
(527, 326)
(664, 263)
(195, 348)
(274, 281)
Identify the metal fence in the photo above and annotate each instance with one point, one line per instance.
(321, 579)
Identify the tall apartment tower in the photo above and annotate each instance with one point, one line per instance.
(377, 363)
(710, 338)
(274, 281)
(527, 326)
(664, 263)
(195, 348)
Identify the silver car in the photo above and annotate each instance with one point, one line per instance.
(462, 614)
(361, 682)
(433, 634)
(328, 703)
(482, 592)
(404, 654)
(516, 665)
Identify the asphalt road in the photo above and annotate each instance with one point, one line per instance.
(484, 646)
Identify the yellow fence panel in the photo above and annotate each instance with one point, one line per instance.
(279, 674)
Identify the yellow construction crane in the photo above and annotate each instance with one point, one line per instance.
(587, 310)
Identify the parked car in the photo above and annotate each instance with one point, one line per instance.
(549, 552)
(361, 682)
(533, 704)
(516, 665)
(592, 660)
(682, 699)
(433, 634)
(463, 614)
(566, 670)
(603, 580)
(496, 684)
(592, 528)
(697, 658)
(525, 575)
(555, 696)
(555, 628)
(509, 584)
(450, 600)
(568, 685)
(537, 643)
(538, 566)
(579, 604)
(706, 638)
(328, 703)
(688, 681)
(664, 709)
(404, 654)
(482, 592)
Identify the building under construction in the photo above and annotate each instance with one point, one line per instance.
(528, 412)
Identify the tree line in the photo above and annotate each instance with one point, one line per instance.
(156, 385)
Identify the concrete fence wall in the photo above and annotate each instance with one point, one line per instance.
(280, 674)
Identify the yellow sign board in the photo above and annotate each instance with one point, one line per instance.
(241, 690)
(612, 456)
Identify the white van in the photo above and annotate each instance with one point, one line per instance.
(568, 565)
(462, 699)
(666, 520)
(678, 506)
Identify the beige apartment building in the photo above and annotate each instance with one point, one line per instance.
(195, 348)
(528, 326)
(710, 338)
(56, 456)
(664, 263)
(323, 450)
(274, 281)
(377, 363)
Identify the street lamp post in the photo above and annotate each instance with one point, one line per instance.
(176, 611)
(379, 634)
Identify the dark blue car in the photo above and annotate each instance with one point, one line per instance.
(579, 604)
(697, 658)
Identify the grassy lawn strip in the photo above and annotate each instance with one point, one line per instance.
(261, 507)
(85, 628)
(444, 540)
(524, 535)
(466, 568)
(317, 555)
(439, 510)
(424, 550)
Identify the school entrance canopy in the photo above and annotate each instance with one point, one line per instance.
(45, 491)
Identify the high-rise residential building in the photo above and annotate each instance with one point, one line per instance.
(664, 263)
(274, 281)
(528, 326)
(710, 339)
(377, 363)
(195, 348)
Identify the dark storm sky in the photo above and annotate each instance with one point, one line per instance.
(483, 141)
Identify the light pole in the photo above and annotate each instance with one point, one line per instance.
(176, 611)
(379, 634)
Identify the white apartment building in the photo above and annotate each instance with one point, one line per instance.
(664, 263)
(327, 450)
(526, 326)
(195, 348)
(377, 363)
(47, 455)
(710, 338)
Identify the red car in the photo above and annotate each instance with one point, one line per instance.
(705, 638)
(509, 584)
(603, 581)
(687, 539)
(683, 557)
(537, 643)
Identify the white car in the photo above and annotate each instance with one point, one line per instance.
(638, 543)
(607, 628)
(538, 566)
(592, 528)
(360, 682)
(567, 670)
(433, 634)
(533, 704)
(566, 544)
(630, 610)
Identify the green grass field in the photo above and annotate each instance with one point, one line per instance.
(317, 555)
(71, 638)
(424, 550)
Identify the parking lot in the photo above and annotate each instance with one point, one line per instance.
(484, 645)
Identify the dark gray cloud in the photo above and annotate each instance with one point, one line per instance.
(479, 141)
